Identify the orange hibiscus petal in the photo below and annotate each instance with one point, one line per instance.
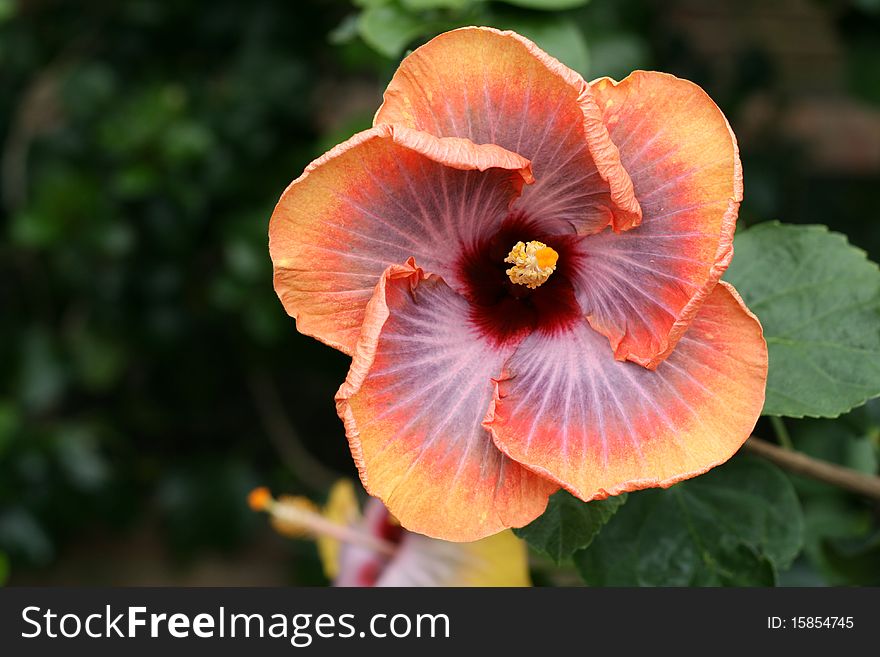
(601, 427)
(500, 88)
(642, 288)
(419, 386)
(384, 195)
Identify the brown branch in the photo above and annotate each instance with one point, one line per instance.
(281, 433)
(37, 112)
(830, 473)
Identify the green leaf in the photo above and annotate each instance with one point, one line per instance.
(370, 3)
(345, 31)
(735, 526)
(547, 5)
(568, 525)
(856, 562)
(558, 35)
(23, 534)
(818, 299)
(616, 54)
(847, 441)
(832, 515)
(43, 377)
(7, 11)
(388, 29)
(10, 422)
(4, 568)
(423, 5)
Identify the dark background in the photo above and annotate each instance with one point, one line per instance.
(149, 377)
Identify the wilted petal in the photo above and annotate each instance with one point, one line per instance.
(601, 427)
(384, 195)
(642, 288)
(418, 388)
(500, 88)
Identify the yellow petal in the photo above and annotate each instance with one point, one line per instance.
(342, 508)
(498, 560)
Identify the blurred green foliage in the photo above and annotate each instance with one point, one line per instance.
(146, 144)
(391, 26)
(150, 377)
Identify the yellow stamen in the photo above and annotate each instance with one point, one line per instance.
(532, 263)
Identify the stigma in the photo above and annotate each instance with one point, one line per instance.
(299, 517)
(533, 262)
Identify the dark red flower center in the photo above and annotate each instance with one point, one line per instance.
(504, 311)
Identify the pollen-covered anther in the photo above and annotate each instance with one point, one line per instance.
(533, 262)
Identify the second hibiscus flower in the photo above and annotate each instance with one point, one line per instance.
(525, 270)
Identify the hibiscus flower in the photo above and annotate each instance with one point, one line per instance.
(524, 268)
(372, 549)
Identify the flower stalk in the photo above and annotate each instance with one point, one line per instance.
(830, 473)
(295, 518)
